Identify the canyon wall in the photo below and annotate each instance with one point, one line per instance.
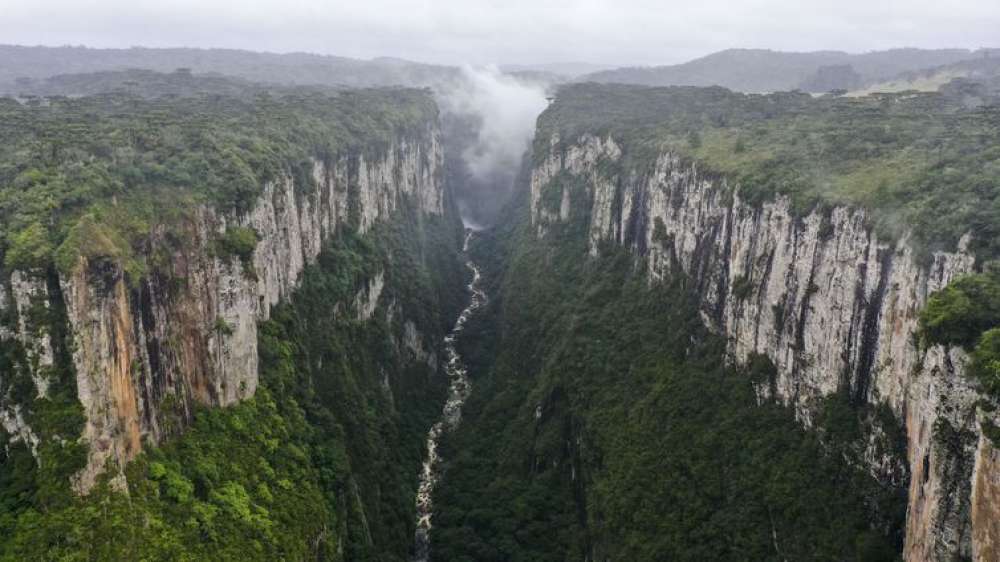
(831, 304)
(148, 348)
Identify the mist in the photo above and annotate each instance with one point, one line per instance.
(489, 119)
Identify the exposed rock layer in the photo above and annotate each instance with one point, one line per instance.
(832, 305)
(147, 350)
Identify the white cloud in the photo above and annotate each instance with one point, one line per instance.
(507, 109)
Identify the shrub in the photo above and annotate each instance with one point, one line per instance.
(962, 311)
(239, 241)
(660, 235)
(30, 248)
(761, 370)
(742, 287)
(222, 327)
(986, 361)
(92, 239)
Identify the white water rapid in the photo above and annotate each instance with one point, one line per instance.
(458, 391)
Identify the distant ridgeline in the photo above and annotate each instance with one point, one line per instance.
(220, 320)
(27, 68)
(761, 70)
(838, 252)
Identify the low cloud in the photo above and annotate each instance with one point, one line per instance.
(492, 120)
(507, 108)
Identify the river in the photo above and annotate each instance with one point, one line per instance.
(451, 414)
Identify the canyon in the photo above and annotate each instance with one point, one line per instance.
(298, 355)
(139, 347)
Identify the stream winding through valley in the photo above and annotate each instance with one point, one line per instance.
(458, 391)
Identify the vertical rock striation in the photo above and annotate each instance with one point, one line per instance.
(147, 350)
(23, 309)
(30, 296)
(832, 305)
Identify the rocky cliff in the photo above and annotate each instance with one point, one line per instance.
(147, 348)
(832, 305)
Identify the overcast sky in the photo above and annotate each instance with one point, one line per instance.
(506, 31)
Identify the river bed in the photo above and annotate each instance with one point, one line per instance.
(458, 391)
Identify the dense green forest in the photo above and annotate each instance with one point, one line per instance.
(127, 162)
(925, 162)
(606, 425)
(320, 464)
(145, 83)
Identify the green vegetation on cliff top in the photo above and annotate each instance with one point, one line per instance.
(967, 313)
(927, 162)
(319, 465)
(321, 462)
(126, 163)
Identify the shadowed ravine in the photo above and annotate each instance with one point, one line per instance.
(458, 391)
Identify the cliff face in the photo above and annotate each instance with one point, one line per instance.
(23, 308)
(147, 350)
(829, 303)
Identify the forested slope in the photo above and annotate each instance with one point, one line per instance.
(739, 326)
(606, 425)
(221, 323)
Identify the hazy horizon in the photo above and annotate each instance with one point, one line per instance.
(503, 65)
(520, 32)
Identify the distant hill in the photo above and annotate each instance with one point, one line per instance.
(983, 70)
(21, 66)
(140, 82)
(759, 70)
